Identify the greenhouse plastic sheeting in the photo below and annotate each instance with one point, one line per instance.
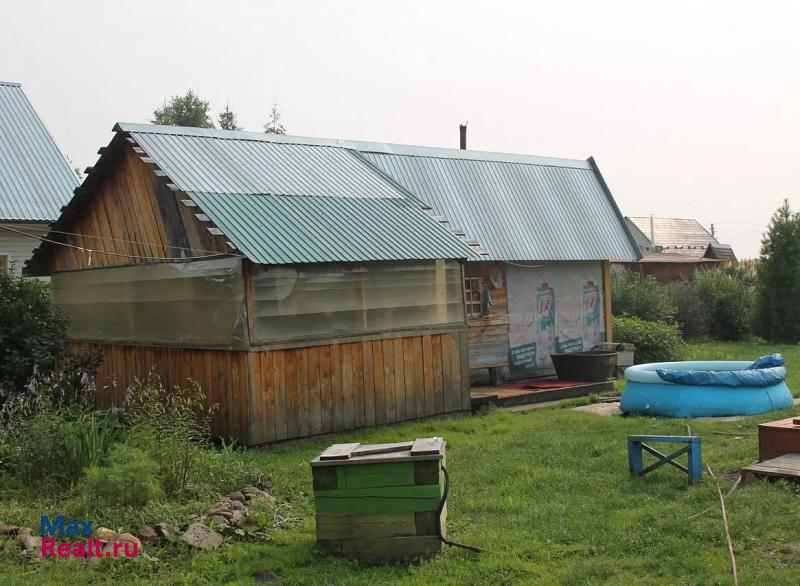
(312, 301)
(196, 303)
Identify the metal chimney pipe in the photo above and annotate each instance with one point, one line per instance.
(462, 131)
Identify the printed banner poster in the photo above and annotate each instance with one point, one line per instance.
(553, 308)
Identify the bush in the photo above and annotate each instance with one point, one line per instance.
(655, 342)
(728, 302)
(32, 333)
(173, 427)
(641, 296)
(128, 479)
(691, 316)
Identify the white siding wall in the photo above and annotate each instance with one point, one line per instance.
(16, 247)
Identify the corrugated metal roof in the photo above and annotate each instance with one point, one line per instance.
(723, 252)
(675, 232)
(279, 229)
(289, 201)
(35, 178)
(223, 162)
(519, 207)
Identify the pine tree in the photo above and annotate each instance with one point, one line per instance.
(273, 125)
(778, 309)
(227, 119)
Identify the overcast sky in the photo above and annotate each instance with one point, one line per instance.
(691, 109)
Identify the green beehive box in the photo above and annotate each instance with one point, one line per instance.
(379, 503)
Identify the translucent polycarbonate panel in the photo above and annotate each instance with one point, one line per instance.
(345, 300)
(197, 303)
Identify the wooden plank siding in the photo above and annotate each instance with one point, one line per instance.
(608, 319)
(488, 335)
(131, 213)
(348, 385)
(265, 396)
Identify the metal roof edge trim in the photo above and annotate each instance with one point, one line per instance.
(596, 170)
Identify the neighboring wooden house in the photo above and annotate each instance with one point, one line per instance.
(674, 249)
(302, 289)
(667, 266)
(547, 227)
(35, 178)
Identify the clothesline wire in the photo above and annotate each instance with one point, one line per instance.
(111, 239)
(116, 254)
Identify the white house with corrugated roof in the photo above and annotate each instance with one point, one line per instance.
(35, 178)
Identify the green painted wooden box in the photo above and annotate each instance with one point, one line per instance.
(379, 503)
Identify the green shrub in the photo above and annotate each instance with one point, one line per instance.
(691, 316)
(655, 342)
(728, 301)
(173, 427)
(641, 296)
(32, 332)
(127, 479)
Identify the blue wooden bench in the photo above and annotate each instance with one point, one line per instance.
(637, 447)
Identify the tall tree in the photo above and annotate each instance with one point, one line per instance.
(185, 110)
(274, 125)
(227, 119)
(778, 286)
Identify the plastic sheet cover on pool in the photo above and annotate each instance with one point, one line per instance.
(197, 303)
(763, 372)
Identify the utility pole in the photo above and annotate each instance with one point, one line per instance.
(652, 234)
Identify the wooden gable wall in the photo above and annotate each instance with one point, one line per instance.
(132, 214)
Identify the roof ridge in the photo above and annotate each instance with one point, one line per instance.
(354, 145)
(10, 83)
(468, 154)
(664, 218)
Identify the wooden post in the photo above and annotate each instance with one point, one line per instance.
(607, 317)
(441, 291)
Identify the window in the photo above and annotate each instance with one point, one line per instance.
(472, 296)
(310, 301)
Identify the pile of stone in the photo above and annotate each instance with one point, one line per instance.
(230, 511)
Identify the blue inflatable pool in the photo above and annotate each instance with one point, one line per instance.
(706, 389)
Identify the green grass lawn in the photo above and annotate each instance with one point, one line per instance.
(546, 493)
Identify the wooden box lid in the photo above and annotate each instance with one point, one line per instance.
(431, 448)
(791, 424)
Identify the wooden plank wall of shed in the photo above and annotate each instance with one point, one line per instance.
(488, 336)
(222, 374)
(273, 395)
(299, 392)
(132, 214)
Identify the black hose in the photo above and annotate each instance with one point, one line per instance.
(439, 517)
